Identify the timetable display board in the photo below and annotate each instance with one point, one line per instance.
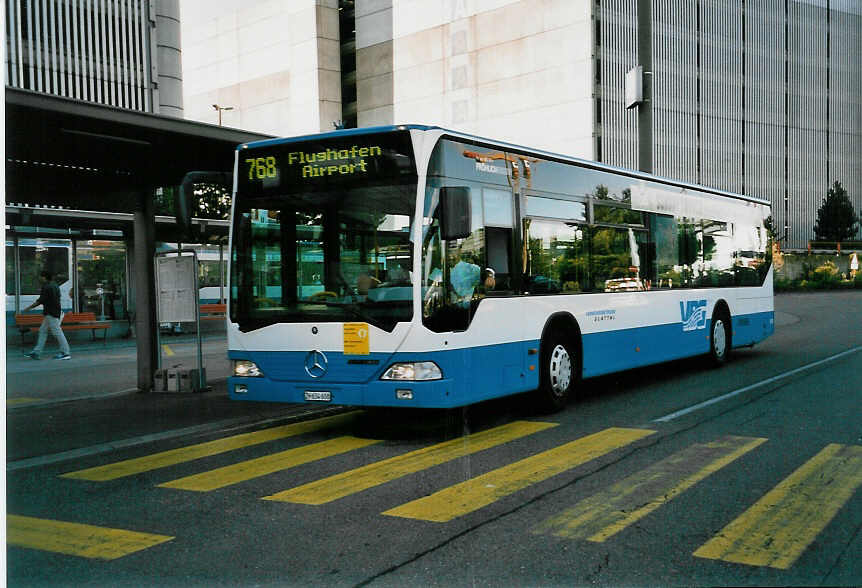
(324, 164)
(177, 295)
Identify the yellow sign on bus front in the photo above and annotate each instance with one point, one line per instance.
(356, 339)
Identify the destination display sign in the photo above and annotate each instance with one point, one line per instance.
(323, 164)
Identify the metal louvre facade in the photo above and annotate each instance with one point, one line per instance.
(760, 97)
(617, 127)
(93, 50)
(676, 123)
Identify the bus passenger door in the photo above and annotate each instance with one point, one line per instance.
(502, 277)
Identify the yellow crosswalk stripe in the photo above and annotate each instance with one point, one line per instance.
(77, 539)
(268, 464)
(604, 514)
(180, 455)
(778, 528)
(359, 479)
(483, 490)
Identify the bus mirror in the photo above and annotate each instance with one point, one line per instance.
(455, 213)
(186, 204)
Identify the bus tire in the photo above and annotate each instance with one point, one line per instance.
(559, 371)
(720, 337)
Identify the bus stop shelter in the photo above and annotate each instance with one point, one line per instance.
(76, 165)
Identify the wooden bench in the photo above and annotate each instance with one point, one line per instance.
(72, 321)
(210, 312)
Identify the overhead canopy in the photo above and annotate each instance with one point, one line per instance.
(81, 156)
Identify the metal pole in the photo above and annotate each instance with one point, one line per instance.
(74, 277)
(201, 380)
(17, 253)
(221, 273)
(158, 322)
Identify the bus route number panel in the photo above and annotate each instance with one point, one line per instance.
(292, 167)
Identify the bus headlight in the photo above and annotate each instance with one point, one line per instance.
(413, 371)
(244, 368)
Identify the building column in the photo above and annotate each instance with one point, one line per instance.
(145, 291)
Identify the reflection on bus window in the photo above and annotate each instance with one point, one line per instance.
(616, 260)
(557, 257)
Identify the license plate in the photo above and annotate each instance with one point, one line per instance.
(318, 395)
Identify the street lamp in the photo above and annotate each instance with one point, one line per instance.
(219, 109)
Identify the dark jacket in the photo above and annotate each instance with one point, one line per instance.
(49, 298)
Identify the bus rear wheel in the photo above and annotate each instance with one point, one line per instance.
(719, 338)
(559, 372)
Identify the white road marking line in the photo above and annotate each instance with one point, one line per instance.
(675, 415)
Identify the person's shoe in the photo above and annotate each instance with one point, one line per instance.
(32, 355)
(62, 356)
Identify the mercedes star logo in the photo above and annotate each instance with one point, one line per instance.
(316, 364)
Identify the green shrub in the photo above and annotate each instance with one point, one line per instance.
(827, 273)
(780, 285)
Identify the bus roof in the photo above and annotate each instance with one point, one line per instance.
(505, 145)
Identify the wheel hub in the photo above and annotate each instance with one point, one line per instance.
(560, 370)
(719, 338)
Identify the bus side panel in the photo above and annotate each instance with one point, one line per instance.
(752, 328)
(621, 331)
(618, 350)
(753, 313)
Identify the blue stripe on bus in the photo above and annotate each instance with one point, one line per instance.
(474, 374)
(624, 349)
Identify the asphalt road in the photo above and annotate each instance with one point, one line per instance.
(677, 475)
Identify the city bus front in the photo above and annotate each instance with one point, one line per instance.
(321, 279)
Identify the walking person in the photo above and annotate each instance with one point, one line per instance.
(49, 298)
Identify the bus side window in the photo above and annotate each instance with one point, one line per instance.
(663, 233)
(557, 257)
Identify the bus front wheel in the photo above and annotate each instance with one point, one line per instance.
(559, 372)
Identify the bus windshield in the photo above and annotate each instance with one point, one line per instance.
(336, 250)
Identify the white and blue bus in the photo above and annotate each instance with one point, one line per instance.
(413, 266)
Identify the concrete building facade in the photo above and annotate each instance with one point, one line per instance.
(267, 66)
(760, 97)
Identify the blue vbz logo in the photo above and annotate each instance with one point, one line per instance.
(693, 314)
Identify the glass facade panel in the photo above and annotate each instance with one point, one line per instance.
(10, 268)
(35, 255)
(102, 281)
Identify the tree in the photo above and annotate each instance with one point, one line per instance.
(771, 229)
(213, 201)
(836, 219)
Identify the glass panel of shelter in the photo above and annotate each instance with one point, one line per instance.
(101, 267)
(35, 254)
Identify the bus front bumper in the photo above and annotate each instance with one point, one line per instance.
(407, 394)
